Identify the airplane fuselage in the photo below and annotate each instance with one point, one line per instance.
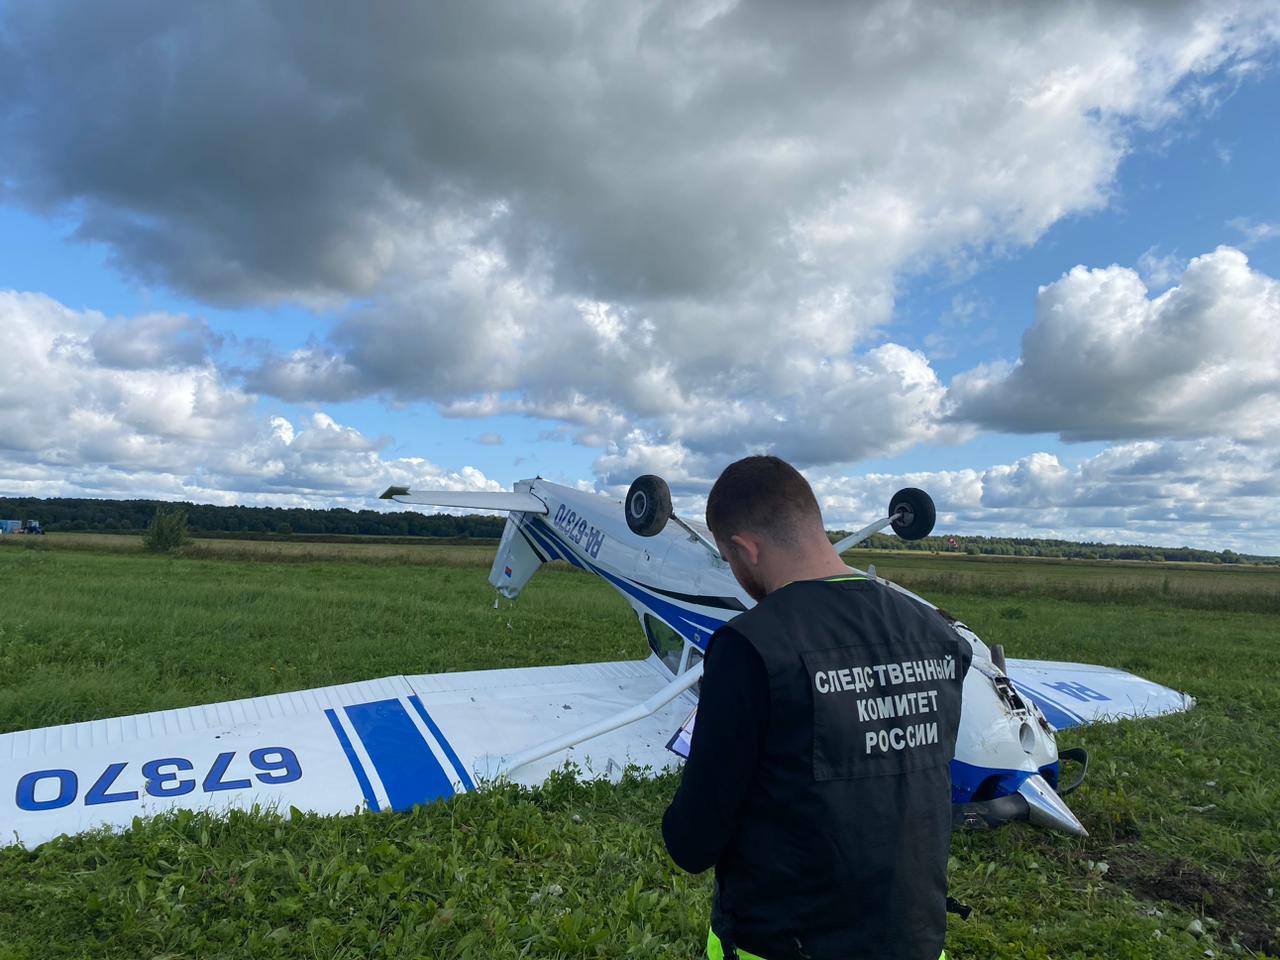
(682, 593)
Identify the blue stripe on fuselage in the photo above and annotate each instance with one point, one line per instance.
(695, 627)
(967, 779)
(552, 544)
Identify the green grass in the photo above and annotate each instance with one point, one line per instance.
(96, 635)
(1182, 810)
(429, 551)
(1191, 585)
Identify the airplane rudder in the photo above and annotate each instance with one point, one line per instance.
(516, 561)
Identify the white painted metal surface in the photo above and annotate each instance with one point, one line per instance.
(487, 717)
(468, 499)
(378, 745)
(1084, 693)
(505, 766)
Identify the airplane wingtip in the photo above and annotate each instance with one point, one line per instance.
(392, 492)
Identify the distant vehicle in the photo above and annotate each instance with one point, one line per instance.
(397, 741)
(20, 526)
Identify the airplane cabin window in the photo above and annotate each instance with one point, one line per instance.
(695, 658)
(664, 641)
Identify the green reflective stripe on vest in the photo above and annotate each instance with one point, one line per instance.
(715, 950)
(843, 579)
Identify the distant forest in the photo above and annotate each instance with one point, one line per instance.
(132, 516)
(1067, 549)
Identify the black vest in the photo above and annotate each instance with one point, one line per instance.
(842, 843)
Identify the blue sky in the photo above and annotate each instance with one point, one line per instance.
(748, 269)
(1176, 193)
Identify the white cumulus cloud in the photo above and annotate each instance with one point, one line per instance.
(1207, 493)
(1104, 360)
(168, 424)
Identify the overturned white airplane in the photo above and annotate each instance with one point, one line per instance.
(394, 742)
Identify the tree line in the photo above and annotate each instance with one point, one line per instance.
(1064, 549)
(132, 516)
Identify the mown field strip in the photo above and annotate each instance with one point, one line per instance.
(1181, 809)
(423, 552)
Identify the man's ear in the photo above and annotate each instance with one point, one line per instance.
(748, 547)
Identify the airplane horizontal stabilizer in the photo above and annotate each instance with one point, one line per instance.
(474, 499)
(1071, 694)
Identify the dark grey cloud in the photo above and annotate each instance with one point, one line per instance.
(246, 151)
(154, 341)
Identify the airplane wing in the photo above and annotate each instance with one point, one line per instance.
(475, 499)
(1071, 694)
(378, 744)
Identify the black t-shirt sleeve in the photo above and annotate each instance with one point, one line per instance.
(733, 708)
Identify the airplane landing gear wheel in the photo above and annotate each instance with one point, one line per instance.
(648, 505)
(913, 513)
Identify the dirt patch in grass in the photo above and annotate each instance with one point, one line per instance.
(1243, 904)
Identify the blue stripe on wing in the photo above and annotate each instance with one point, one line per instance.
(444, 744)
(405, 762)
(357, 768)
(1059, 716)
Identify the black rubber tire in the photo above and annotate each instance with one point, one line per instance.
(648, 505)
(919, 514)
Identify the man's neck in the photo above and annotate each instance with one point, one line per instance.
(817, 567)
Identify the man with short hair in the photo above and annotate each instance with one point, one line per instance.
(818, 779)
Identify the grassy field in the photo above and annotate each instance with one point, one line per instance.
(1200, 586)
(1182, 810)
(399, 550)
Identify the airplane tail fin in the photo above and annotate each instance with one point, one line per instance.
(516, 561)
